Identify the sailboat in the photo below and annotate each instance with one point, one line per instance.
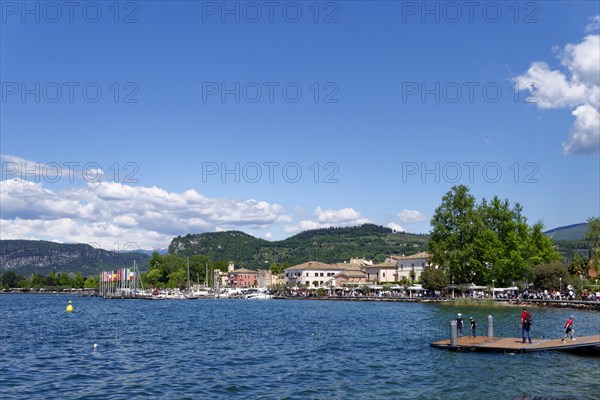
(188, 295)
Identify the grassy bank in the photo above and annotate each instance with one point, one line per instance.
(471, 302)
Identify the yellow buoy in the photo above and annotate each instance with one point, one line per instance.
(69, 307)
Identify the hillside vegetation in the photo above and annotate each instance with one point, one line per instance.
(327, 245)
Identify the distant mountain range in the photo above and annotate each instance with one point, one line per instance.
(568, 232)
(39, 256)
(149, 252)
(327, 245)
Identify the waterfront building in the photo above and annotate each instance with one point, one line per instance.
(406, 264)
(349, 277)
(264, 278)
(314, 274)
(311, 274)
(384, 272)
(277, 279)
(242, 277)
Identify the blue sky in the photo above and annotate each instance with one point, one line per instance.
(381, 106)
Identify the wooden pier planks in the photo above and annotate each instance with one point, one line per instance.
(484, 343)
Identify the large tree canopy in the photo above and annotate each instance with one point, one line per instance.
(491, 240)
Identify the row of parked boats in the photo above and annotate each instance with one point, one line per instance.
(176, 294)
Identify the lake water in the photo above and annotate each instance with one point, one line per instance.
(274, 349)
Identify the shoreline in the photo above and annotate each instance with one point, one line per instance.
(575, 304)
(463, 301)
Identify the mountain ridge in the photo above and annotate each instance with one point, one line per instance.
(336, 244)
(41, 257)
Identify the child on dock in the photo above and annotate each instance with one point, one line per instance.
(473, 327)
(569, 329)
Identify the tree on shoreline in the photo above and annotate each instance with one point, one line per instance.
(479, 242)
(434, 279)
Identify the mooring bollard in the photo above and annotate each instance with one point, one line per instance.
(453, 333)
(490, 330)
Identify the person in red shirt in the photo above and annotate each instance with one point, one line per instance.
(526, 324)
(569, 329)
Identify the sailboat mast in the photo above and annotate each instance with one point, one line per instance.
(188, 274)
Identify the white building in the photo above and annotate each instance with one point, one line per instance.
(315, 274)
(405, 264)
(385, 272)
(311, 274)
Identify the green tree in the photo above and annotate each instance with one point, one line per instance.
(177, 279)
(37, 281)
(492, 240)
(578, 265)
(221, 265)
(78, 281)
(10, 279)
(91, 282)
(547, 276)
(198, 264)
(404, 281)
(64, 280)
(434, 278)
(155, 260)
(153, 277)
(454, 230)
(52, 280)
(276, 268)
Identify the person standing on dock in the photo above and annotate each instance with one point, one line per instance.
(459, 325)
(473, 327)
(526, 324)
(569, 329)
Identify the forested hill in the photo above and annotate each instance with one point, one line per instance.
(569, 232)
(327, 245)
(39, 256)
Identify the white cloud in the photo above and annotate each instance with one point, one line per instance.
(50, 172)
(395, 227)
(342, 216)
(583, 60)
(268, 235)
(585, 133)
(594, 25)
(329, 218)
(109, 212)
(410, 216)
(579, 91)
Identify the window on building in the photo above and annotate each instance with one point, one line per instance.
(384, 274)
(307, 274)
(321, 274)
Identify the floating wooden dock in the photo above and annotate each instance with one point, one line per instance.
(588, 344)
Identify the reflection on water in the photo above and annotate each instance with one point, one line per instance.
(274, 349)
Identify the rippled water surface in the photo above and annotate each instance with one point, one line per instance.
(203, 349)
